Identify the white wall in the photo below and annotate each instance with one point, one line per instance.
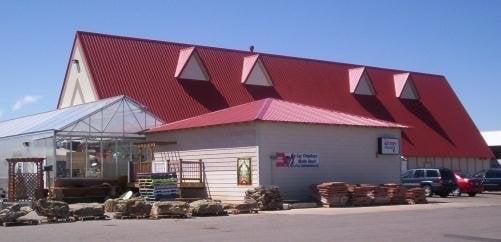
(346, 154)
(77, 87)
(219, 148)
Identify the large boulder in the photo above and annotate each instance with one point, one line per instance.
(52, 209)
(12, 213)
(170, 208)
(206, 207)
(80, 210)
(267, 197)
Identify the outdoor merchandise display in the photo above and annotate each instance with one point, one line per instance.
(206, 207)
(170, 209)
(52, 209)
(87, 210)
(12, 213)
(340, 194)
(267, 197)
(158, 186)
(416, 196)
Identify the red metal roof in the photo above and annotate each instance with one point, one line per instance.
(274, 110)
(144, 70)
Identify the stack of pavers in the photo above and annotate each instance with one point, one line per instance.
(334, 194)
(397, 194)
(416, 196)
(363, 195)
(267, 197)
(381, 196)
(158, 186)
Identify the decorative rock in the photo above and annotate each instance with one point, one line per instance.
(52, 209)
(206, 208)
(110, 205)
(267, 197)
(12, 213)
(80, 210)
(133, 207)
(170, 208)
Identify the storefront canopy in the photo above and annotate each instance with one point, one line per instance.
(112, 117)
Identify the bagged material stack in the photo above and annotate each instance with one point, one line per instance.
(158, 186)
(170, 208)
(52, 209)
(206, 207)
(363, 195)
(416, 196)
(397, 194)
(381, 196)
(267, 197)
(12, 213)
(83, 210)
(333, 193)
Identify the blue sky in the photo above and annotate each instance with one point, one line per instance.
(459, 39)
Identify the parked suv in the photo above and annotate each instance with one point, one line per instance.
(433, 181)
(491, 179)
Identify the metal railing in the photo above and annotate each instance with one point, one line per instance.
(187, 171)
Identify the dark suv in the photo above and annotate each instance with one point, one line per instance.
(433, 181)
(491, 179)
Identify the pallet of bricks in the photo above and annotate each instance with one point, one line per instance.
(363, 195)
(158, 186)
(332, 194)
(416, 196)
(397, 193)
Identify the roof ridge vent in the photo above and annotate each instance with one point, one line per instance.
(404, 86)
(254, 72)
(360, 82)
(190, 66)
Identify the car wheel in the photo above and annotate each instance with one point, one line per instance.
(472, 194)
(456, 192)
(427, 190)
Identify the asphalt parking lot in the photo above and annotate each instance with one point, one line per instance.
(442, 219)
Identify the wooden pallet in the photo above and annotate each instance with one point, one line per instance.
(57, 220)
(118, 216)
(87, 218)
(21, 223)
(238, 211)
(170, 216)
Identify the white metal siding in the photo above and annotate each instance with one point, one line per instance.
(219, 148)
(346, 154)
(466, 165)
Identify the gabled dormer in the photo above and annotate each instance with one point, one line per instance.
(254, 72)
(404, 86)
(360, 82)
(190, 66)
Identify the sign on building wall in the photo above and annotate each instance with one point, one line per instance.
(244, 171)
(297, 159)
(388, 146)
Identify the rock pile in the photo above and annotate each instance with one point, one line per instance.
(363, 195)
(82, 210)
(249, 205)
(267, 197)
(381, 196)
(397, 194)
(12, 213)
(416, 196)
(206, 207)
(170, 208)
(135, 207)
(52, 209)
(332, 193)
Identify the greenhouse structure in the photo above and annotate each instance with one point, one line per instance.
(91, 141)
